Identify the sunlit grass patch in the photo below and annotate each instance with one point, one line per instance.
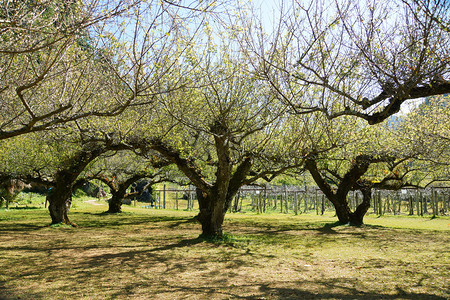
(157, 254)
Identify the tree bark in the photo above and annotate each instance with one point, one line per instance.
(211, 214)
(356, 218)
(115, 203)
(214, 199)
(343, 211)
(119, 191)
(60, 198)
(350, 181)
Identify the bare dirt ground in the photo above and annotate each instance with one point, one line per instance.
(94, 202)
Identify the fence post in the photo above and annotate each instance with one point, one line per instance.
(295, 204)
(281, 202)
(164, 196)
(188, 198)
(380, 204)
(411, 206)
(286, 200)
(374, 201)
(323, 204)
(432, 202)
(421, 203)
(316, 203)
(306, 201)
(265, 198)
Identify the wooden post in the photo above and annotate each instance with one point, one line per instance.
(433, 208)
(164, 196)
(425, 203)
(394, 206)
(446, 203)
(436, 202)
(265, 198)
(374, 201)
(286, 200)
(274, 196)
(240, 206)
(188, 199)
(281, 203)
(380, 204)
(260, 202)
(417, 196)
(388, 204)
(295, 204)
(306, 201)
(421, 203)
(411, 205)
(323, 204)
(316, 203)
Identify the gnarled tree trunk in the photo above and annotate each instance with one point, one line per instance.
(119, 192)
(60, 198)
(350, 181)
(214, 199)
(356, 218)
(345, 214)
(115, 203)
(343, 211)
(211, 214)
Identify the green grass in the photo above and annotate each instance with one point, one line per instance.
(156, 254)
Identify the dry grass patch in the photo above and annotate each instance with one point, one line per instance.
(148, 254)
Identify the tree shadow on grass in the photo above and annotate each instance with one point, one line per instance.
(325, 229)
(24, 208)
(327, 288)
(21, 227)
(103, 219)
(136, 255)
(218, 283)
(180, 244)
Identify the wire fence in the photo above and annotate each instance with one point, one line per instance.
(297, 200)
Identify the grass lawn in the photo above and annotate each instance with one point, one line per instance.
(155, 254)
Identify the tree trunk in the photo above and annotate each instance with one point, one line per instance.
(115, 203)
(211, 214)
(60, 199)
(356, 218)
(343, 211)
(118, 194)
(345, 214)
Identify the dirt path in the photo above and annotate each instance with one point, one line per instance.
(93, 202)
